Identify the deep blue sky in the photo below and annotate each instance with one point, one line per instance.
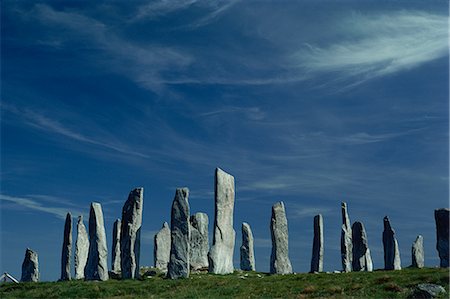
(308, 102)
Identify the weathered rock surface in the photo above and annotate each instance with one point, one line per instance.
(81, 249)
(115, 257)
(317, 251)
(30, 266)
(180, 236)
(130, 235)
(199, 241)
(220, 257)
(279, 259)
(417, 253)
(97, 264)
(442, 235)
(390, 246)
(161, 249)
(346, 240)
(247, 249)
(427, 290)
(66, 253)
(362, 261)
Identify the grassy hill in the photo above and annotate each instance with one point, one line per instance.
(378, 284)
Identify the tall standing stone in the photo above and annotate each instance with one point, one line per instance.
(66, 249)
(199, 241)
(97, 264)
(115, 256)
(81, 249)
(279, 259)
(180, 236)
(390, 246)
(220, 256)
(130, 235)
(362, 261)
(30, 266)
(161, 249)
(442, 231)
(417, 253)
(317, 251)
(247, 251)
(346, 240)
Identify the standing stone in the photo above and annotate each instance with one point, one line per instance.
(199, 241)
(180, 236)
(247, 251)
(81, 249)
(97, 264)
(130, 236)
(317, 251)
(346, 240)
(66, 249)
(279, 259)
(390, 246)
(417, 253)
(115, 258)
(161, 249)
(442, 231)
(220, 256)
(30, 266)
(362, 260)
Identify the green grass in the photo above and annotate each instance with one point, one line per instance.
(378, 284)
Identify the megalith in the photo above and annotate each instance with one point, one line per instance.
(317, 250)
(362, 261)
(417, 253)
(390, 246)
(199, 241)
(115, 256)
(81, 249)
(30, 266)
(161, 249)
(346, 240)
(279, 259)
(66, 253)
(442, 231)
(247, 249)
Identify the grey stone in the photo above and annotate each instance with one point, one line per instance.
(180, 236)
(220, 257)
(97, 264)
(247, 249)
(390, 246)
(317, 251)
(199, 241)
(417, 253)
(161, 249)
(427, 290)
(442, 235)
(30, 266)
(279, 259)
(346, 240)
(362, 261)
(81, 249)
(66, 253)
(130, 235)
(115, 256)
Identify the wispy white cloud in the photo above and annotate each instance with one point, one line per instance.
(308, 212)
(161, 7)
(252, 113)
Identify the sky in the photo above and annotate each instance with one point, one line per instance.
(307, 102)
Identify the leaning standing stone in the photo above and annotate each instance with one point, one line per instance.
(81, 249)
(199, 241)
(161, 249)
(362, 261)
(66, 249)
(115, 257)
(130, 235)
(247, 251)
(317, 251)
(417, 253)
(442, 231)
(279, 259)
(346, 240)
(220, 256)
(180, 236)
(390, 246)
(30, 266)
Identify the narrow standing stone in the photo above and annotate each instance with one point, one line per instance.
(97, 264)
(247, 251)
(346, 240)
(130, 235)
(81, 249)
(199, 241)
(220, 256)
(362, 261)
(161, 249)
(390, 246)
(66, 249)
(30, 266)
(279, 259)
(417, 253)
(115, 257)
(317, 251)
(180, 236)
(442, 231)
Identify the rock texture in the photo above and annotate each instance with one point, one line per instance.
(427, 290)
(220, 257)
(442, 234)
(247, 251)
(199, 241)
(417, 253)
(97, 264)
(161, 248)
(317, 251)
(115, 257)
(30, 266)
(390, 246)
(130, 235)
(66, 253)
(362, 261)
(81, 249)
(346, 240)
(180, 236)
(279, 259)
